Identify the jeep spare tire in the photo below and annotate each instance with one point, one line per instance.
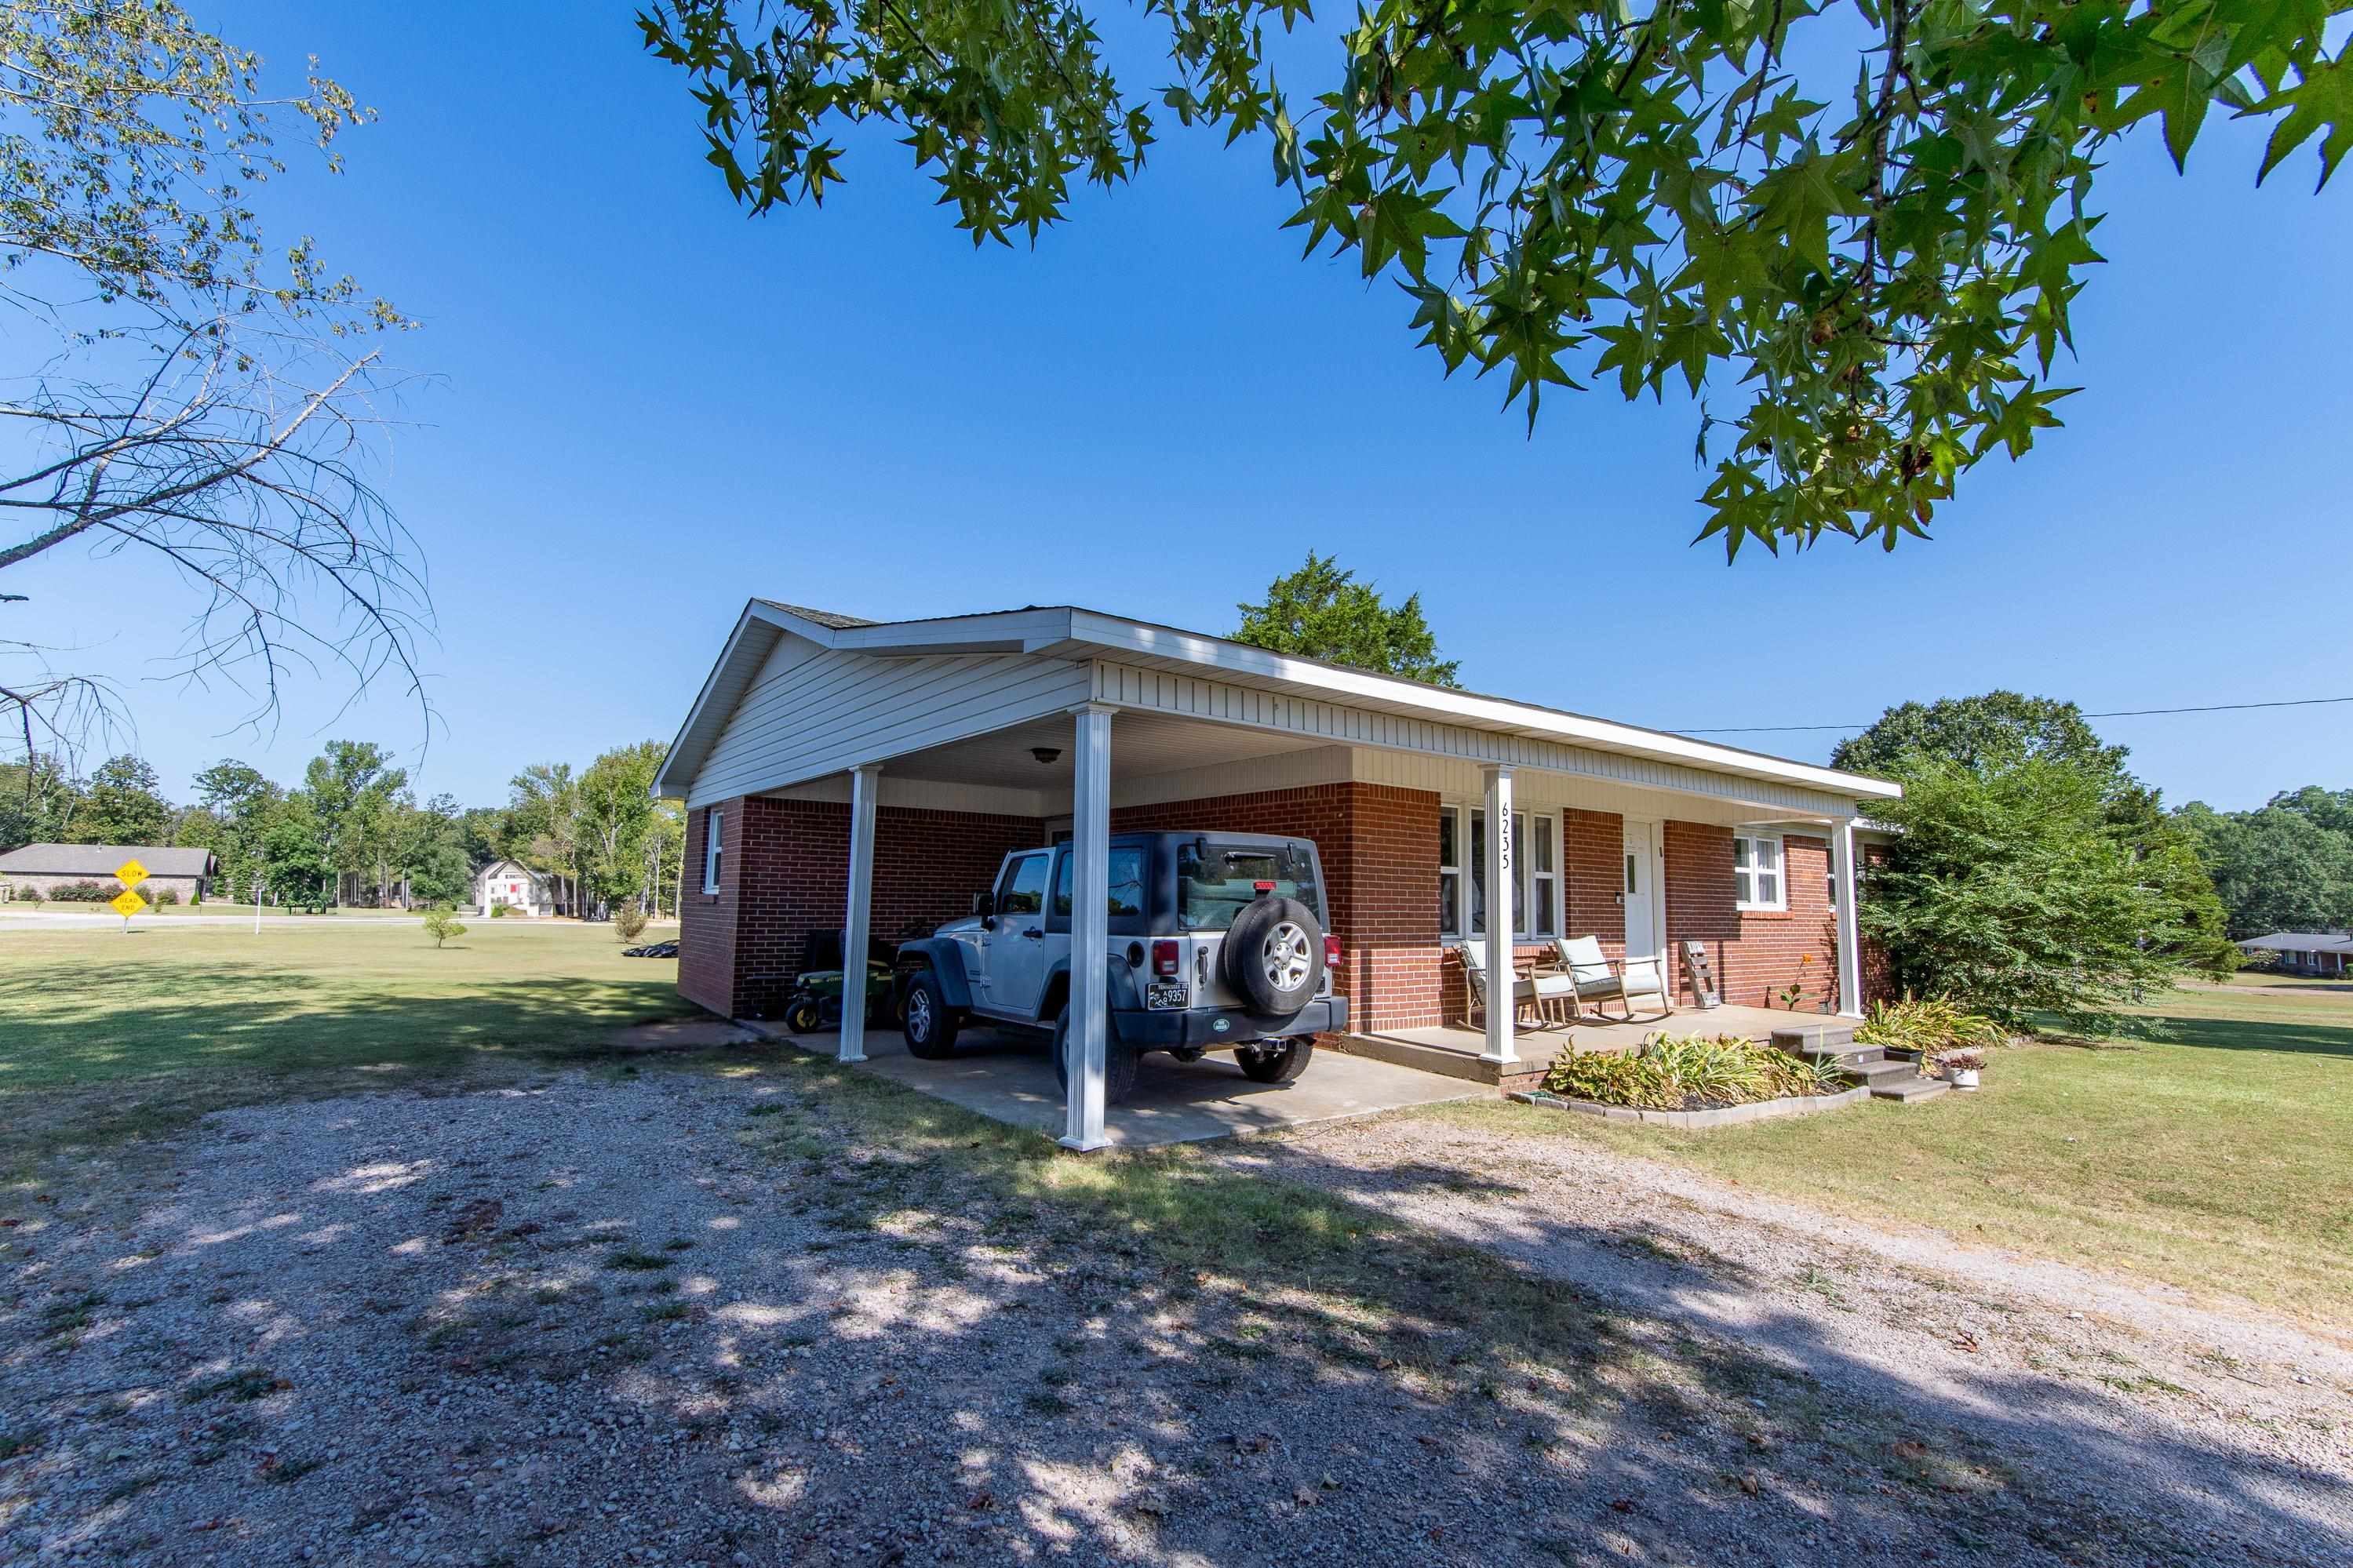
(1273, 955)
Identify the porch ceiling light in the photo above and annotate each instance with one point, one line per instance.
(1047, 755)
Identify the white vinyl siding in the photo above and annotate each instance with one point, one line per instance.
(712, 823)
(1461, 882)
(814, 712)
(1760, 880)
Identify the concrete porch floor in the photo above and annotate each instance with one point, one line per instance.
(1006, 1075)
(1454, 1051)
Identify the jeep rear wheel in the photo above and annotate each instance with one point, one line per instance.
(930, 1024)
(1120, 1061)
(1274, 1061)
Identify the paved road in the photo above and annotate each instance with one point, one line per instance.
(198, 922)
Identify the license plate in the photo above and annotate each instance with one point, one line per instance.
(1167, 993)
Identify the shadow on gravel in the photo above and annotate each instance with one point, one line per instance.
(812, 1317)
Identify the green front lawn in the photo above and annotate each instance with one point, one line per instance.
(2220, 1160)
(154, 1025)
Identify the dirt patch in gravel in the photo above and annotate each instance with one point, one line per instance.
(782, 1313)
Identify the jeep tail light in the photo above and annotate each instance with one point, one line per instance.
(1164, 959)
(1331, 950)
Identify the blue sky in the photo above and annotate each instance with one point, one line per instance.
(634, 407)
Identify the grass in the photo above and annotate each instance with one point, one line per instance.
(105, 1034)
(2214, 1159)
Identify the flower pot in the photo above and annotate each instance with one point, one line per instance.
(1965, 1078)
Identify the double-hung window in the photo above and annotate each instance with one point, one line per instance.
(710, 826)
(1758, 878)
(1463, 873)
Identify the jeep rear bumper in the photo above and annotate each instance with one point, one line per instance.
(1209, 1027)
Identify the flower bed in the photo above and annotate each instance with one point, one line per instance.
(1690, 1072)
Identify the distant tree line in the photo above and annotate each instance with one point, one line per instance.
(353, 826)
(2286, 867)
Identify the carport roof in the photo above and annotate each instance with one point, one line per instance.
(1073, 632)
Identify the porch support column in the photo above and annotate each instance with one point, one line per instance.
(1088, 1039)
(865, 783)
(1501, 867)
(1850, 944)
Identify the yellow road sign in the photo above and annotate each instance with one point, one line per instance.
(131, 873)
(127, 903)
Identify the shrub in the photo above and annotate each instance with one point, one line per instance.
(163, 896)
(628, 922)
(1690, 1072)
(440, 924)
(1928, 1027)
(84, 892)
(29, 894)
(499, 911)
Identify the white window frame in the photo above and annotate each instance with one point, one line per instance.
(714, 821)
(1746, 845)
(1534, 884)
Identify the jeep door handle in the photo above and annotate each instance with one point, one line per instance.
(1033, 934)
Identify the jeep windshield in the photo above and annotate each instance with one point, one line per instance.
(1215, 881)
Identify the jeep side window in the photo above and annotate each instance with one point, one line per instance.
(1022, 891)
(1126, 883)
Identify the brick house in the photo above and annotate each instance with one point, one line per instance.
(42, 869)
(846, 773)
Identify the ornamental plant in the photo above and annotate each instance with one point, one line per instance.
(1689, 1072)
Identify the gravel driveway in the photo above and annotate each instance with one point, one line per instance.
(680, 1317)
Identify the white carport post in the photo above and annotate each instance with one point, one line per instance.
(865, 783)
(1849, 945)
(1497, 873)
(1090, 1037)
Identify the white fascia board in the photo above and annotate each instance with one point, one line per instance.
(667, 784)
(1485, 712)
(1005, 631)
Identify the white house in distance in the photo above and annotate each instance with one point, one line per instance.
(515, 885)
(2307, 952)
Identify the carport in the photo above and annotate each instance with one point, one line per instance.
(945, 742)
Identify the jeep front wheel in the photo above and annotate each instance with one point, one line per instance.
(1274, 1061)
(930, 1025)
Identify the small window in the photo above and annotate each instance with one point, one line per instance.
(712, 823)
(1535, 873)
(1126, 884)
(1757, 877)
(1544, 877)
(1023, 890)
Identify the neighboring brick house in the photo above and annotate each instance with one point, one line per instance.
(185, 874)
(958, 736)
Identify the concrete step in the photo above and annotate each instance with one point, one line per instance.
(1910, 1091)
(1829, 1037)
(1880, 1071)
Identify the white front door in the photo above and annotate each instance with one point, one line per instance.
(1641, 898)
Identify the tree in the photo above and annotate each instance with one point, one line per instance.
(441, 925)
(542, 823)
(2009, 891)
(2287, 867)
(1854, 232)
(185, 393)
(1997, 728)
(38, 801)
(618, 813)
(122, 805)
(352, 785)
(293, 859)
(1321, 612)
(240, 801)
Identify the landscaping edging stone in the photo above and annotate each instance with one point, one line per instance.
(1720, 1116)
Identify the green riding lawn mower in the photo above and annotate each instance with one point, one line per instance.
(815, 1000)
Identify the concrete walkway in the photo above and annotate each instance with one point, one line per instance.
(1006, 1075)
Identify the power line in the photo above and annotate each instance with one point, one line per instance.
(2117, 713)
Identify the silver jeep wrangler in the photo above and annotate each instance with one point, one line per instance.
(1218, 942)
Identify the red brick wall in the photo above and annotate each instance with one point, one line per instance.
(1756, 953)
(785, 872)
(1379, 850)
